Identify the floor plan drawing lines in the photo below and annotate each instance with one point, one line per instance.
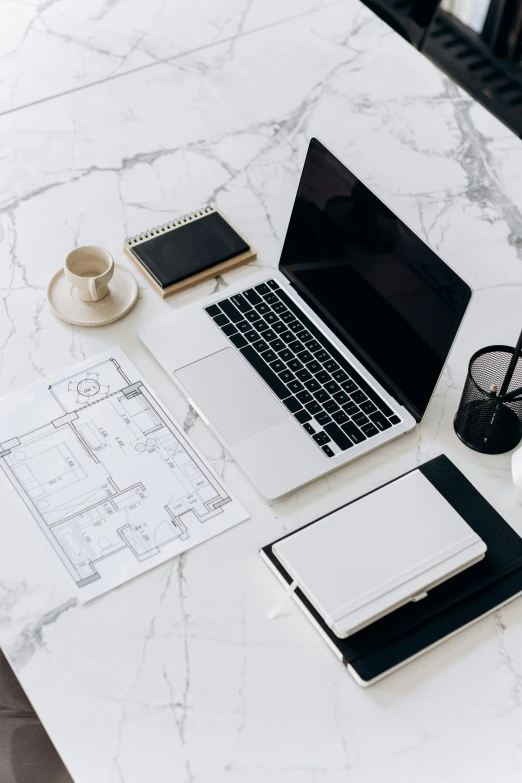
(111, 480)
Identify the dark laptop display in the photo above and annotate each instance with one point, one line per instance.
(377, 285)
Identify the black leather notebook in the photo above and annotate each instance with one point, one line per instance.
(188, 250)
(405, 633)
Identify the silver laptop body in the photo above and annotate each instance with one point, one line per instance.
(272, 367)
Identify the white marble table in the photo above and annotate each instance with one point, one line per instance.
(178, 677)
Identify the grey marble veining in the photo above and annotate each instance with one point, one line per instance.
(178, 675)
(52, 47)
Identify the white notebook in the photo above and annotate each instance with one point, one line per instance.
(372, 556)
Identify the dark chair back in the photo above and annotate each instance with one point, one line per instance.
(423, 11)
(412, 21)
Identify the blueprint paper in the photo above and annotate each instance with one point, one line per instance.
(107, 475)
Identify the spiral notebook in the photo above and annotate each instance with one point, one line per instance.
(188, 250)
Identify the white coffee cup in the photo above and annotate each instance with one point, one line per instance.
(89, 269)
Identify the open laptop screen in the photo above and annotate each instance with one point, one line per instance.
(376, 284)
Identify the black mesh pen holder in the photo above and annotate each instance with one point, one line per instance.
(486, 420)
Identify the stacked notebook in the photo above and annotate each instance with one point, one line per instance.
(188, 250)
(402, 568)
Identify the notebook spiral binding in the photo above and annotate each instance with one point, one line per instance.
(161, 229)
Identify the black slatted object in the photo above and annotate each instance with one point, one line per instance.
(411, 19)
(488, 68)
(423, 11)
(494, 81)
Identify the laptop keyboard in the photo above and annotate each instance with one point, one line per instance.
(330, 400)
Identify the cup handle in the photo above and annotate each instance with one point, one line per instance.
(92, 289)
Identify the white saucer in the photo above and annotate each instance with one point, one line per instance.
(123, 292)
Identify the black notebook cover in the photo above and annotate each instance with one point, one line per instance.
(462, 599)
(189, 248)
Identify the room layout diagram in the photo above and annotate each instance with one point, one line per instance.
(112, 481)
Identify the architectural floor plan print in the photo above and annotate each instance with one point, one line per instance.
(111, 480)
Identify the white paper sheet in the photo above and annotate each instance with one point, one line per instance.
(108, 476)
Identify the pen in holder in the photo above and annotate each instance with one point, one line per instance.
(489, 418)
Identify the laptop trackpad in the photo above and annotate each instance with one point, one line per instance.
(231, 395)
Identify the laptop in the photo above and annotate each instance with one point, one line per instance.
(333, 355)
